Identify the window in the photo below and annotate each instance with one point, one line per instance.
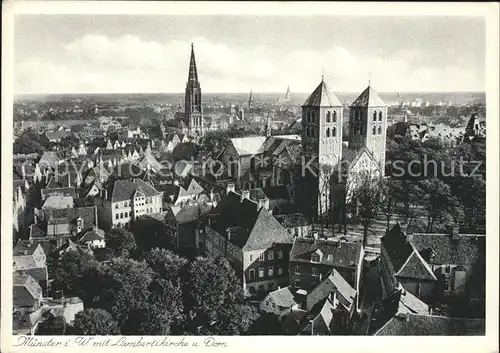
(280, 271)
(251, 257)
(327, 133)
(261, 272)
(270, 271)
(261, 256)
(315, 258)
(380, 130)
(328, 117)
(126, 214)
(330, 258)
(447, 269)
(374, 131)
(116, 205)
(280, 254)
(116, 216)
(446, 285)
(273, 305)
(380, 116)
(121, 215)
(374, 116)
(334, 132)
(251, 275)
(314, 271)
(297, 283)
(270, 255)
(334, 116)
(266, 303)
(296, 269)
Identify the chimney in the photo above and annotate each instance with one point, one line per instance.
(264, 202)
(454, 232)
(229, 188)
(245, 194)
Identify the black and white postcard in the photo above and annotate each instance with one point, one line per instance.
(220, 176)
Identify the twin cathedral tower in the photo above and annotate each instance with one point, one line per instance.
(322, 130)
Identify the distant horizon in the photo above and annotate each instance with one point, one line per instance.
(248, 92)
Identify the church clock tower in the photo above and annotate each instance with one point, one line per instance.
(322, 115)
(192, 101)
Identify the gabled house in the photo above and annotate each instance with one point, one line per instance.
(93, 238)
(311, 260)
(280, 302)
(27, 299)
(30, 259)
(434, 266)
(247, 234)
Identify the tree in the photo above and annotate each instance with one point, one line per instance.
(185, 151)
(121, 242)
(365, 202)
(124, 287)
(165, 263)
(213, 297)
(438, 202)
(93, 322)
(389, 199)
(30, 142)
(68, 273)
(151, 233)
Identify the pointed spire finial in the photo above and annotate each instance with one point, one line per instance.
(322, 75)
(369, 79)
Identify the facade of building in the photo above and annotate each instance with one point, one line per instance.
(128, 200)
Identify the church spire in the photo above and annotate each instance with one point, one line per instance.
(193, 73)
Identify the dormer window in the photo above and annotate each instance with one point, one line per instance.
(315, 258)
(79, 224)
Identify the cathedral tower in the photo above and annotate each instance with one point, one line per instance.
(368, 125)
(192, 100)
(322, 115)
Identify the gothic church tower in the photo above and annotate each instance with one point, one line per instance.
(192, 101)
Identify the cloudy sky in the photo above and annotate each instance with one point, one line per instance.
(150, 54)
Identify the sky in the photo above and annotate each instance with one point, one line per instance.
(150, 53)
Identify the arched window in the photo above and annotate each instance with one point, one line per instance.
(252, 164)
(334, 116)
(380, 116)
(374, 131)
(308, 116)
(374, 116)
(327, 132)
(334, 131)
(380, 130)
(126, 214)
(328, 116)
(356, 115)
(121, 215)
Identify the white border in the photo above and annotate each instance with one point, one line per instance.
(490, 11)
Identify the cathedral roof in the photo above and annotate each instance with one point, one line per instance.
(321, 97)
(369, 98)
